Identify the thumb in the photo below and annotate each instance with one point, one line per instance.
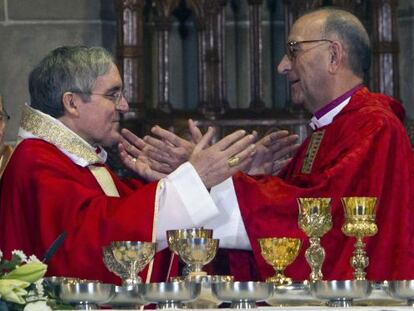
(205, 140)
(195, 131)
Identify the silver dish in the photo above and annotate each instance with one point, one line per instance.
(206, 299)
(127, 297)
(242, 295)
(379, 296)
(170, 295)
(402, 290)
(340, 293)
(86, 295)
(295, 294)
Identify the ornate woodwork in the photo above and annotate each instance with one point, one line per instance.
(162, 21)
(210, 18)
(130, 50)
(209, 22)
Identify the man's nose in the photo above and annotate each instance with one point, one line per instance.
(284, 66)
(123, 105)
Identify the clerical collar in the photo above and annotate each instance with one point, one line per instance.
(38, 125)
(327, 113)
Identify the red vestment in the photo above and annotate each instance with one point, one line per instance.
(365, 151)
(43, 193)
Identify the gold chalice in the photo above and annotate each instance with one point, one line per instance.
(359, 223)
(279, 253)
(196, 253)
(132, 256)
(173, 236)
(315, 220)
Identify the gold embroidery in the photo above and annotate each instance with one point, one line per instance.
(51, 131)
(105, 180)
(154, 229)
(314, 144)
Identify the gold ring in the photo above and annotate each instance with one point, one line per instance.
(233, 161)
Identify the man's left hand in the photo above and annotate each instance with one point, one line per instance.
(272, 153)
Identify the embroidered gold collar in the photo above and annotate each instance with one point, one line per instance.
(44, 127)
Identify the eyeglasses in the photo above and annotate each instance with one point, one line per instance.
(292, 47)
(4, 116)
(115, 98)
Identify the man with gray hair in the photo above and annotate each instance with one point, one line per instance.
(57, 183)
(358, 147)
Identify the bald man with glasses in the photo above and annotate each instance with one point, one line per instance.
(358, 147)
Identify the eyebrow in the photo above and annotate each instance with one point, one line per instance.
(113, 89)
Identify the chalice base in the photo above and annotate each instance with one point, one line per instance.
(339, 303)
(196, 273)
(279, 280)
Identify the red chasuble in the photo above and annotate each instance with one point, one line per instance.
(365, 151)
(43, 193)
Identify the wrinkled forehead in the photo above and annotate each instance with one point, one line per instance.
(308, 27)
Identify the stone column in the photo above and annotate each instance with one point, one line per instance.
(256, 62)
(130, 51)
(385, 48)
(163, 11)
(209, 15)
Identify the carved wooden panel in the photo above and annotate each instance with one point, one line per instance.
(209, 19)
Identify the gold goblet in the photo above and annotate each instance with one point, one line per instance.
(315, 220)
(279, 253)
(359, 223)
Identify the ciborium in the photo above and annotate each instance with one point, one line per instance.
(279, 253)
(173, 236)
(197, 252)
(132, 256)
(315, 220)
(359, 223)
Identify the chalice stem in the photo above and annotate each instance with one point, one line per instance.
(359, 260)
(315, 255)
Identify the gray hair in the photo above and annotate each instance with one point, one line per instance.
(350, 31)
(66, 69)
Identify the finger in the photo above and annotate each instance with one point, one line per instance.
(126, 147)
(127, 159)
(256, 135)
(169, 136)
(157, 145)
(162, 158)
(160, 167)
(278, 165)
(228, 140)
(245, 156)
(131, 138)
(281, 153)
(273, 137)
(205, 140)
(195, 131)
(284, 142)
(240, 145)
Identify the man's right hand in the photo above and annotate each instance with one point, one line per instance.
(212, 162)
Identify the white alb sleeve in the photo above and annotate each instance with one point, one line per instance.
(229, 228)
(184, 202)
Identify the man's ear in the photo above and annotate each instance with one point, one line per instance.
(70, 104)
(337, 56)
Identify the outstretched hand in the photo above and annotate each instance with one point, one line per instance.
(168, 148)
(272, 153)
(133, 154)
(217, 162)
